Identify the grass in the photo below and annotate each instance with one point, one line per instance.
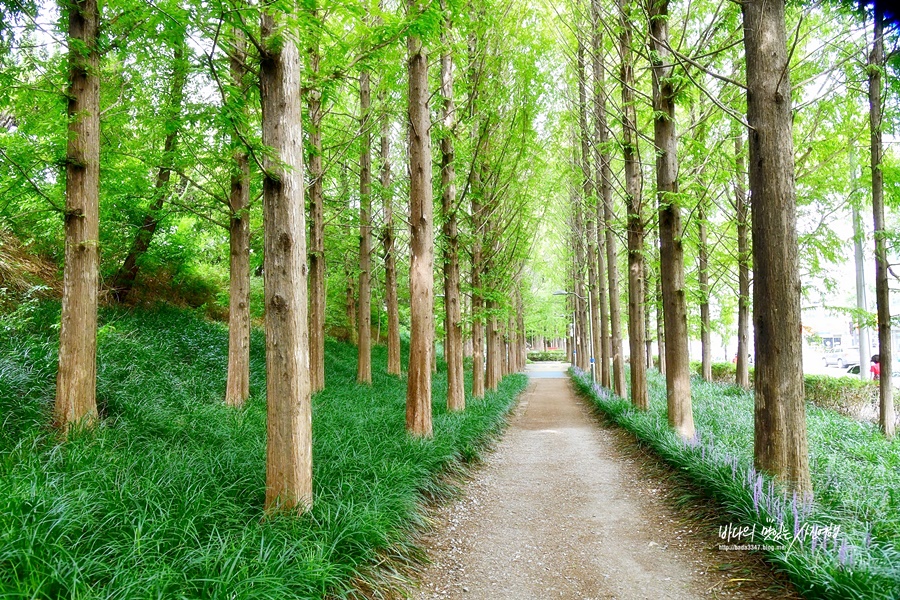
(842, 545)
(164, 499)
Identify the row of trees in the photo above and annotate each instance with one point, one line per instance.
(654, 80)
(261, 115)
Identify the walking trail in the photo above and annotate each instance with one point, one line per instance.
(566, 507)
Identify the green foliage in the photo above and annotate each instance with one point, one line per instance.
(854, 471)
(547, 355)
(849, 396)
(165, 497)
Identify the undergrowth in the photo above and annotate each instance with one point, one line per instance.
(843, 544)
(164, 499)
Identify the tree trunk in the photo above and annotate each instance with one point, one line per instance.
(453, 348)
(660, 324)
(595, 341)
(317, 278)
(882, 293)
(703, 276)
(671, 252)
(237, 388)
(743, 352)
(364, 348)
(494, 341)
(350, 306)
(289, 422)
(76, 379)
(635, 223)
(859, 237)
(601, 148)
(421, 275)
(387, 240)
(780, 446)
(125, 277)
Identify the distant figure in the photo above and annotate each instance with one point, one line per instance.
(875, 369)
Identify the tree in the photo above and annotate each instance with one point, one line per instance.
(289, 421)
(364, 349)
(76, 380)
(671, 253)
(387, 241)
(453, 346)
(875, 67)
(780, 446)
(742, 376)
(421, 276)
(635, 223)
(237, 388)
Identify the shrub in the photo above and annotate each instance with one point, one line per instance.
(847, 395)
(547, 355)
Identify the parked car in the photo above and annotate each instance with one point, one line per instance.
(842, 357)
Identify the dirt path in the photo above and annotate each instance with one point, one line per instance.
(565, 509)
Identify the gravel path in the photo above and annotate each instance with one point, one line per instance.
(564, 509)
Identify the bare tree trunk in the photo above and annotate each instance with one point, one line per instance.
(859, 238)
(882, 293)
(635, 223)
(453, 348)
(289, 421)
(364, 320)
(421, 274)
(494, 343)
(671, 252)
(237, 388)
(387, 240)
(317, 278)
(604, 179)
(660, 325)
(595, 341)
(125, 277)
(703, 276)
(743, 223)
(350, 306)
(780, 446)
(76, 379)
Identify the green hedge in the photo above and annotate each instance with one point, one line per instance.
(847, 395)
(547, 355)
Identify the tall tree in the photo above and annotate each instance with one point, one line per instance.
(316, 211)
(289, 414)
(453, 346)
(364, 320)
(780, 445)
(237, 388)
(421, 219)
(671, 252)
(617, 358)
(76, 380)
(882, 293)
(742, 377)
(387, 242)
(634, 206)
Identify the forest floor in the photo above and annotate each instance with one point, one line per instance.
(570, 507)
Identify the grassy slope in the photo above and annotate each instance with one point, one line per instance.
(165, 498)
(856, 478)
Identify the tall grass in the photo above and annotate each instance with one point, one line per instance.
(842, 545)
(164, 499)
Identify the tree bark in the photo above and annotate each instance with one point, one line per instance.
(125, 277)
(635, 223)
(703, 276)
(671, 251)
(453, 347)
(882, 293)
(616, 356)
(289, 423)
(316, 225)
(780, 445)
(744, 258)
(595, 341)
(76, 379)
(387, 240)
(364, 348)
(237, 388)
(421, 275)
